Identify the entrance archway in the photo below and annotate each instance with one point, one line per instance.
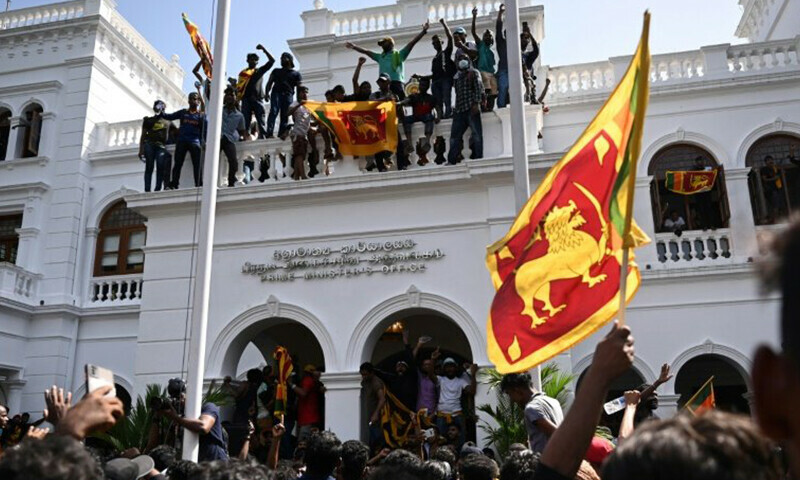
(730, 386)
(296, 338)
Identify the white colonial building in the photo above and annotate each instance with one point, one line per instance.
(94, 271)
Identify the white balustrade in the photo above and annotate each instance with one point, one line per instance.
(763, 56)
(113, 136)
(138, 42)
(116, 290)
(26, 17)
(18, 284)
(581, 79)
(697, 247)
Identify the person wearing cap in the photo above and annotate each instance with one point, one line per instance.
(384, 93)
(390, 61)
(250, 91)
(467, 112)
(404, 382)
(191, 135)
(464, 47)
(128, 469)
(310, 393)
(485, 61)
(153, 150)
(280, 91)
(451, 388)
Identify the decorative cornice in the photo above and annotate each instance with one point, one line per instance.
(25, 188)
(28, 232)
(31, 88)
(20, 162)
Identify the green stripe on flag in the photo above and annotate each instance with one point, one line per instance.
(616, 213)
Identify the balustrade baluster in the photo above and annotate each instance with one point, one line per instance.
(699, 250)
(686, 247)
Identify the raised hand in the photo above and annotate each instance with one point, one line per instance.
(473, 369)
(443, 22)
(425, 26)
(502, 8)
(37, 433)
(632, 397)
(474, 12)
(436, 354)
(362, 60)
(278, 430)
(614, 354)
(57, 404)
(349, 45)
(94, 413)
(665, 376)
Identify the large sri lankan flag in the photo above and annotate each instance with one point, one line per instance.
(200, 45)
(361, 128)
(557, 271)
(284, 365)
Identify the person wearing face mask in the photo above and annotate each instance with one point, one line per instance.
(467, 111)
(152, 148)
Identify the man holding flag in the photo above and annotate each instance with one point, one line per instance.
(250, 91)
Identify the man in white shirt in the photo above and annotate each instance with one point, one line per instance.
(451, 388)
(543, 414)
(674, 223)
(299, 134)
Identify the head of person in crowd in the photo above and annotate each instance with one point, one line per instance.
(462, 62)
(367, 371)
(699, 163)
(516, 447)
(436, 41)
(231, 470)
(776, 375)
(519, 465)
(489, 453)
(252, 60)
(524, 40)
(286, 471)
(424, 85)
(25, 417)
(384, 82)
(651, 403)
(401, 368)
(302, 93)
(56, 457)
(450, 367)
(436, 470)
(266, 373)
(323, 454)
(469, 449)
(769, 161)
(182, 470)
(478, 467)
(229, 100)
(712, 446)
(311, 371)
(194, 100)
(287, 60)
(159, 106)
(365, 89)
(164, 457)
(518, 387)
(3, 416)
(328, 95)
(453, 433)
(427, 366)
(355, 456)
(460, 34)
(387, 44)
(122, 468)
(488, 38)
(403, 459)
(338, 93)
(447, 455)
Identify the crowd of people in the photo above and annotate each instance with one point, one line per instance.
(709, 445)
(477, 73)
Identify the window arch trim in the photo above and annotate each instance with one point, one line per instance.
(125, 234)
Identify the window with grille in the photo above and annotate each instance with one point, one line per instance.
(120, 244)
(9, 238)
(775, 185)
(700, 211)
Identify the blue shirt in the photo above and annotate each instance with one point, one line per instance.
(212, 444)
(193, 125)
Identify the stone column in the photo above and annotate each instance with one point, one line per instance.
(13, 389)
(715, 60)
(317, 22)
(643, 214)
(13, 138)
(667, 405)
(742, 224)
(343, 404)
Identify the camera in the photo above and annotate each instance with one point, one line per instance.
(175, 388)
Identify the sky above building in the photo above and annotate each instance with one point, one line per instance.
(576, 31)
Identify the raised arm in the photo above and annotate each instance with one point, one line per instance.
(474, 25)
(632, 398)
(662, 379)
(568, 445)
(357, 74)
(499, 24)
(448, 34)
(362, 51)
(196, 71)
(419, 36)
(274, 447)
(270, 59)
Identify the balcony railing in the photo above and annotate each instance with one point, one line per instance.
(18, 284)
(695, 247)
(116, 290)
(708, 63)
(26, 17)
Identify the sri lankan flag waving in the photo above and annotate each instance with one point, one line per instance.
(361, 128)
(200, 45)
(283, 362)
(557, 271)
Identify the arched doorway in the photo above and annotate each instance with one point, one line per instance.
(385, 348)
(730, 386)
(700, 211)
(774, 177)
(270, 333)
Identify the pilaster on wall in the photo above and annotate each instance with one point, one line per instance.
(344, 389)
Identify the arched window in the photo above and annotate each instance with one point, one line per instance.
(9, 238)
(774, 177)
(30, 130)
(120, 242)
(5, 133)
(699, 211)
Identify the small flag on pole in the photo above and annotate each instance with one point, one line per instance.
(690, 182)
(558, 271)
(703, 400)
(200, 45)
(361, 128)
(285, 367)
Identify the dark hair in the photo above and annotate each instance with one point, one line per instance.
(355, 456)
(712, 446)
(338, 89)
(385, 472)
(768, 157)
(252, 55)
(267, 368)
(6, 407)
(478, 467)
(445, 454)
(436, 470)
(520, 466)
(231, 470)
(405, 460)
(55, 457)
(182, 470)
(254, 376)
(515, 380)
(366, 367)
(164, 456)
(285, 471)
(323, 453)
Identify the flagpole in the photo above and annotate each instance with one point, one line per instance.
(688, 402)
(519, 130)
(202, 274)
(623, 287)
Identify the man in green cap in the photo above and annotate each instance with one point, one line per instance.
(390, 61)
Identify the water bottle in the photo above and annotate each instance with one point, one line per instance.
(614, 406)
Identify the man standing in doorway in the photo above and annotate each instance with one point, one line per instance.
(451, 388)
(250, 91)
(309, 402)
(542, 413)
(373, 397)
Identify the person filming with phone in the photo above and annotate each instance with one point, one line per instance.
(208, 426)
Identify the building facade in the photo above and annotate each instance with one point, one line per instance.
(95, 271)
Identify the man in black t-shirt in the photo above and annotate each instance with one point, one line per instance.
(443, 69)
(250, 92)
(152, 148)
(280, 90)
(423, 106)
